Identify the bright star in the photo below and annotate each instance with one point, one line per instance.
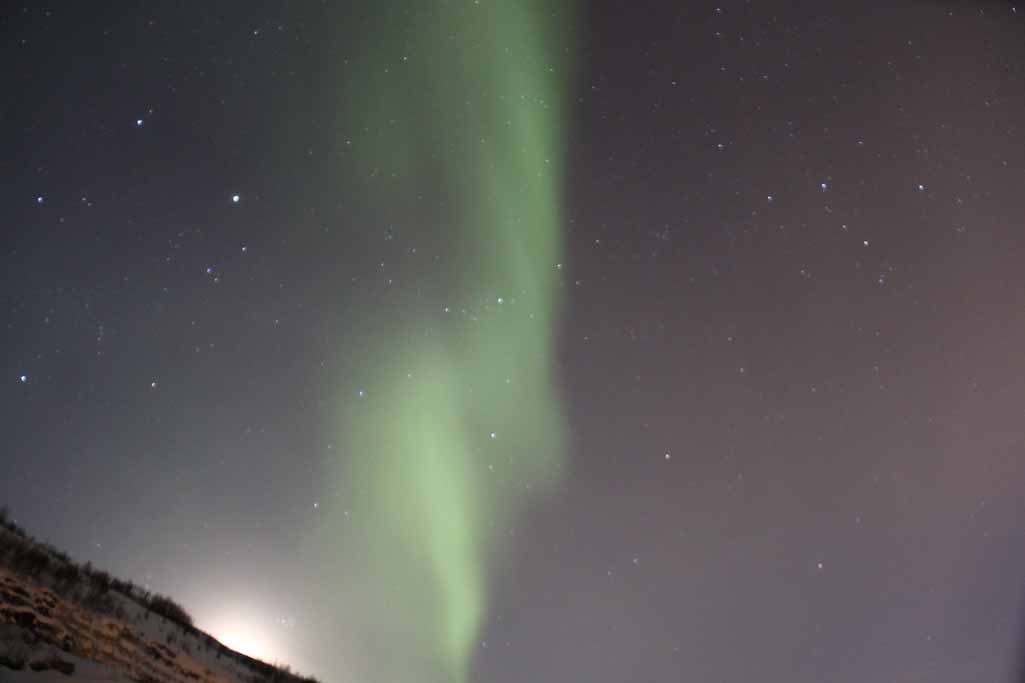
(23, 378)
(138, 122)
(235, 198)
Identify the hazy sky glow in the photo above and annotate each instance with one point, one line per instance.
(488, 342)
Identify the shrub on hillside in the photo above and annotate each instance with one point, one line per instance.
(67, 575)
(30, 559)
(60, 555)
(101, 582)
(123, 587)
(102, 603)
(169, 609)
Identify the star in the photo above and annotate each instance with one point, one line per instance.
(235, 199)
(138, 122)
(23, 378)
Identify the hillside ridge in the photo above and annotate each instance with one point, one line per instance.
(60, 620)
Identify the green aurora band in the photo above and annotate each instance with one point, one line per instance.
(460, 426)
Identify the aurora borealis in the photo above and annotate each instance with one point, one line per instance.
(463, 427)
(468, 341)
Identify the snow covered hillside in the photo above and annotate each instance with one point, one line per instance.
(62, 622)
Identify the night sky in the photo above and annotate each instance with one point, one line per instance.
(459, 341)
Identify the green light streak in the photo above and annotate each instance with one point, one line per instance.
(462, 101)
